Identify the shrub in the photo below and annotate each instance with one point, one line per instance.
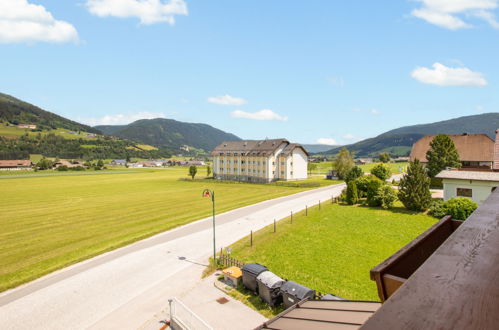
(62, 168)
(381, 171)
(437, 209)
(362, 184)
(460, 208)
(373, 192)
(78, 168)
(351, 194)
(386, 196)
(354, 173)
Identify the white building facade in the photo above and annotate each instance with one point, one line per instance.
(476, 185)
(260, 161)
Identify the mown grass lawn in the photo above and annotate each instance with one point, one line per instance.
(333, 250)
(53, 221)
(324, 167)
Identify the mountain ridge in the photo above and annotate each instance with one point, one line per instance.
(399, 141)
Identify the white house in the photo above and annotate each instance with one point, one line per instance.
(260, 161)
(476, 185)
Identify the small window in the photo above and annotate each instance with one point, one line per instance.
(464, 192)
(273, 163)
(291, 172)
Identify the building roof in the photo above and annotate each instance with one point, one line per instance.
(249, 146)
(292, 146)
(15, 163)
(471, 147)
(323, 314)
(469, 175)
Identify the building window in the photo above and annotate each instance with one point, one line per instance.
(273, 163)
(282, 163)
(291, 163)
(282, 172)
(291, 172)
(273, 172)
(242, 161)
(464, 192)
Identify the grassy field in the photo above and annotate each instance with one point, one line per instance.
(53, 221)
(324, 167)
(333, 250)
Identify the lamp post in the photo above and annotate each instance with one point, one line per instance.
(211, 193)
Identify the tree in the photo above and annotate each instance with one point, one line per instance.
(192, 171)
(351, 195)
(442, 154)
(384, 157)
(414, 188)
(311, 167)
(354, 173)
(44, 164)
(381, 171)
(208, 170)
(100, 164)
(343, 163)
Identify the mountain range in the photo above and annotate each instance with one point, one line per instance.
(170, 134)
(398, 142)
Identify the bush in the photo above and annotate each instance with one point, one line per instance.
(460, 208)
(362, 184)
(62, 168)
(354, 173)
(78, 168)
(381, 171)
(373, 192)
(437, 209)
(351, 194)
(386, 196)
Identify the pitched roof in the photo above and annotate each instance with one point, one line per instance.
(469, 175)
(323, 314)
(15, 163)
(471, 147)
(249, 146)
(292, 146)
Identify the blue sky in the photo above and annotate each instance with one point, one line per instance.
(329, 71)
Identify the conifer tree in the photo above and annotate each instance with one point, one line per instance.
(442, 154)
(352, 195)
(414, 188)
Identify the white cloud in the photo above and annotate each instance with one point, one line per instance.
(442, 75)
(327, 141)
(479, 108)
(445, 13)
(121, 119)
(336, 81)
(21, 21)
(374, 111)
(227, 100)
(264, 114)
(148, 11)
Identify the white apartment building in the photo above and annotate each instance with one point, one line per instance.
(260, 161)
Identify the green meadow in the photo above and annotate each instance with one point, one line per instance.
(333, 249)
(56, 220)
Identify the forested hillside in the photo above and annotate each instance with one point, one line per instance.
(171, 134)
(16, 112)
(398, 142)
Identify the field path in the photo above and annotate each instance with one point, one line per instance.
(127, 287)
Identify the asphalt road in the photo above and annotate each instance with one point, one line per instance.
(126, 287)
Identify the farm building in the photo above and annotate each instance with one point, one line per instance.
(118, 162)
(476, 185)
(15, 165)
(475, 150)
(260, 161)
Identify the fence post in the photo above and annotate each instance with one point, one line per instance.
(291, 216)
(319, 205)
(274, 225)
(251, 238)
(306, 210)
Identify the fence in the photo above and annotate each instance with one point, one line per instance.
(226, 261)
(182, 317)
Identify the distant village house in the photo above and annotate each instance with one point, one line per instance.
(475, 150)
(28, 126)
(476, 185)
(260, 161)
(15, 165)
